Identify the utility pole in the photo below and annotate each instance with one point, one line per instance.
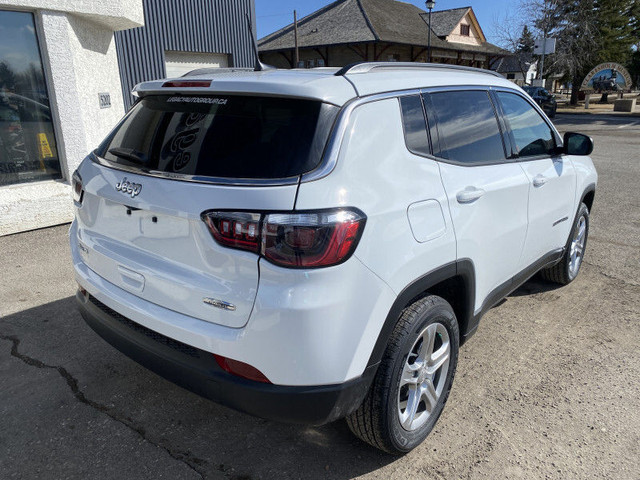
(544, 43)
(296, 57)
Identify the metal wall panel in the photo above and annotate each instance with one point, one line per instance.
(210, 26)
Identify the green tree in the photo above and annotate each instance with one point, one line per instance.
(587, 31)
(615, 32)
(525, 42)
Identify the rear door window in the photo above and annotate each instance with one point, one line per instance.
(530, 133)
(222, 136)
(468, 129)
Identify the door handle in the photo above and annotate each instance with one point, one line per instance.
(539, 180)
(469, 195)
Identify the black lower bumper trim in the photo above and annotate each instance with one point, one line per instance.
(197, 371)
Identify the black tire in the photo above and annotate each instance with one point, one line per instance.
(552, 113)
(377, 420)
(561, 272)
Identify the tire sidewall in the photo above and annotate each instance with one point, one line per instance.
(404, 440)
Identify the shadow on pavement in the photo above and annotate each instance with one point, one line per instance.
(534, 285)
(211, 439)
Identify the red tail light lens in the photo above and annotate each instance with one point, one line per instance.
(316, 239)
(235, 229)
(240, 369)
(296, 240)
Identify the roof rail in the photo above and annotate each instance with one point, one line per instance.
(216, 70)
(366, 67)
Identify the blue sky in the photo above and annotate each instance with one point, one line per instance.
(275, 14)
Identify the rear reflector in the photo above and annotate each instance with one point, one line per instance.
(240, 369)
(187, 84)
(296, 240)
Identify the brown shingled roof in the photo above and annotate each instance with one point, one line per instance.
(357, 21)
(444, 21)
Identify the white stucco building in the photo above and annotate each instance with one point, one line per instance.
(66, 71)
(50, 121)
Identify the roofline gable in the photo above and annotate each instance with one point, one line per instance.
(476, 24)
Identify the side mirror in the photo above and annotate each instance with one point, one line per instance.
(577, 144)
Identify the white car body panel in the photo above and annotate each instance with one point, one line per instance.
(491, 230)
(551, 206)
(305, 328)
(173, 262)
(317, 84)
(376, 173)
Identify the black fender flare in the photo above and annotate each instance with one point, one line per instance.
(463, 269)
(591, 188)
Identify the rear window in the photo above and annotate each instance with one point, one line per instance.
(222, 136)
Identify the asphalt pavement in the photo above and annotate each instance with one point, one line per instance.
(547, 388)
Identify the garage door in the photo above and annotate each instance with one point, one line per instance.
(179, 63)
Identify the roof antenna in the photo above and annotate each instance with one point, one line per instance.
(259, 66)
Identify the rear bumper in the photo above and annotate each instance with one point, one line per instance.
(197, 371)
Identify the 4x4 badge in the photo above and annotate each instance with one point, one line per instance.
(131, 188)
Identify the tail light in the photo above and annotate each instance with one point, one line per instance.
(78, 191)
(235, 229)
(296, 240)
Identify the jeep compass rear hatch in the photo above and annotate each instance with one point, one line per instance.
(174, 157)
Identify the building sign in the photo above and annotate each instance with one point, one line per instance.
(607, 77)
(544, 46)
(105, 100)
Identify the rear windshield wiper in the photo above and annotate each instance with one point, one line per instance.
(129, 154)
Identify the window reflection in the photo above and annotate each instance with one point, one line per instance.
(28, 150)
(467, 126)
(530, 132)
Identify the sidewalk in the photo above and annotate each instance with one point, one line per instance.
(596, 108)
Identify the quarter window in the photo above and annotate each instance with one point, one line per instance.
(467, 127)
(415, 126)
(531, 134)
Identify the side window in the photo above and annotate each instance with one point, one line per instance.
(531, 134)
(468, 129)
(415, 126)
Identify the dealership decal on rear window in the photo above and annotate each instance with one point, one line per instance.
(214, 101)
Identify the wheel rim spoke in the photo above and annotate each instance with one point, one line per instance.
(423, 376)
(429, 395)
(438, 358)
(577, 247)
(411, 408)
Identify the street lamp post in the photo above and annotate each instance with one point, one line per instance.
(430, 4)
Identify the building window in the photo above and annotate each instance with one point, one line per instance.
(28, 151)
(511, 76)
(464, 30)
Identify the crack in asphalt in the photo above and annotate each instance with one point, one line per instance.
(182, 457)
(600, 270)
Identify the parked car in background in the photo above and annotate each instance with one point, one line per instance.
(543, 98)
(311, 245)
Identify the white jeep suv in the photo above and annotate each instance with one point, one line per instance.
(307, 245)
